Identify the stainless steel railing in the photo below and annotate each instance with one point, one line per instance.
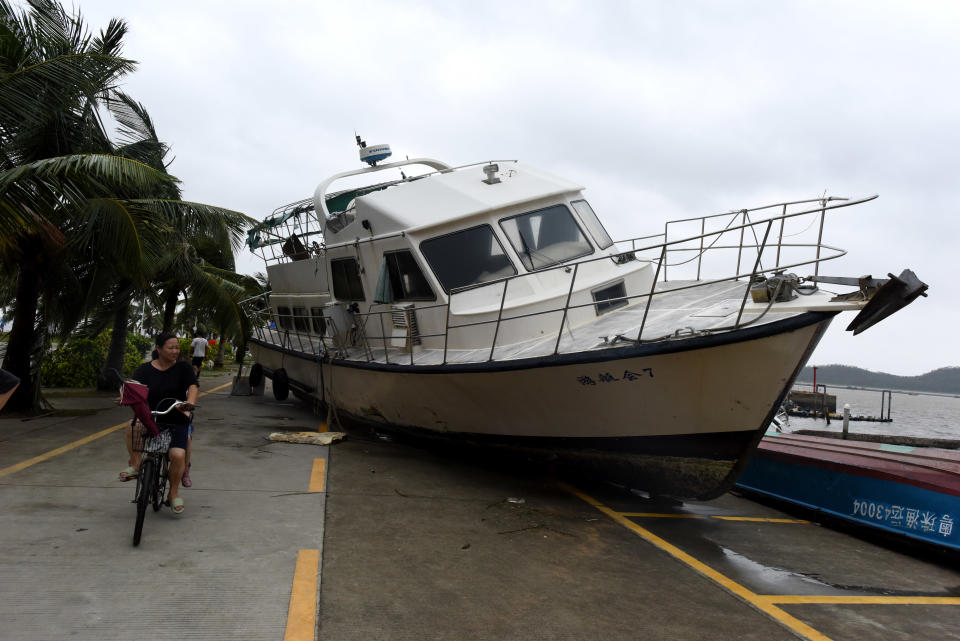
(292, 331)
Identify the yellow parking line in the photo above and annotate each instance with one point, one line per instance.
(753, 519)
(758, 519)
(7, 471)
(757, 601)
(302, 614)
(318, 475)
(661, 516)
(22, 465)
(860, 600)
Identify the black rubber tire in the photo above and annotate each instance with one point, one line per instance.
(256, 375)
(145, 482)
(281, 384)
(161, 488)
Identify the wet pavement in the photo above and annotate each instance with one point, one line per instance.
(375, 539)
(223, 570)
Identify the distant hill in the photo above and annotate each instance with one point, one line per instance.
(945, 380)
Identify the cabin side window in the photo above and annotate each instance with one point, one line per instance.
(283, 317)
(300, 320)
(546, 237)
(406, 278)
(346, 279)
(592, 223)
(610, 297)
(318, 321)
(467, 257)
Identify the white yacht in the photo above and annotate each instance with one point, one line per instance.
(487, 303)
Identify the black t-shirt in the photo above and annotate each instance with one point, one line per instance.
(167, 384)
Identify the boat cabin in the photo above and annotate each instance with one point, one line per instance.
(464, 258)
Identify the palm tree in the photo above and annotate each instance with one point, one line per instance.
(189, 225)
(78, 223)
(53, 75)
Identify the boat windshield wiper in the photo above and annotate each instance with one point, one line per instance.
(540, 255)
(526, 248)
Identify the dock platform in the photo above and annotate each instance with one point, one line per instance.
(371, 539)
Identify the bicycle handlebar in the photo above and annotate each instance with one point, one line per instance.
(189, 406)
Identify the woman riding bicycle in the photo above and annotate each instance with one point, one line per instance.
(170, 380)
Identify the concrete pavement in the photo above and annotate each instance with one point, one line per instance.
(374, 539)
(223, 570)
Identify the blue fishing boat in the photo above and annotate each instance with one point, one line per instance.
(904, 490)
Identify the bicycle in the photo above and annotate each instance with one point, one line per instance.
(152, 474)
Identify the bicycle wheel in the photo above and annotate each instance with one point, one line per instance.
(145, 487)
(161, 485)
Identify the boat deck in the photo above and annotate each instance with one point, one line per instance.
(680, 309)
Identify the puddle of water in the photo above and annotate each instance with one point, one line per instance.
(771, 580)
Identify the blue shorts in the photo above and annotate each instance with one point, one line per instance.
(179, 431)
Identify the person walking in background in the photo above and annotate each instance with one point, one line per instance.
(8, 384)
(199, 350)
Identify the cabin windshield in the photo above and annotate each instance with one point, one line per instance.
(468, 257)
(593, 224)
(546, 237)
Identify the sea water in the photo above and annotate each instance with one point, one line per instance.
(913, 414)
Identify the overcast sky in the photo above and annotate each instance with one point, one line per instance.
(661, 109)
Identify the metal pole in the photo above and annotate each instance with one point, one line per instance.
(846, 419)
(573, 279)
(780, 242)
(383, 336)
(446, 327)
(666, 239)
(823, 215)
(703, 229)
(740, 249)
(753, 273)
(663, 259)
(496, 330)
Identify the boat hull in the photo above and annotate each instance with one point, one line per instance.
(904, 491)
(675, 418)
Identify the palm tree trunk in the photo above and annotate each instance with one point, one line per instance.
(109, 379)
(169, 308)
(22, 337)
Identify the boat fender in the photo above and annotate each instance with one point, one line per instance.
(281, 384)
(256, 375)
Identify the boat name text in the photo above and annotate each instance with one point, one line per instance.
(905, 518)
(607, 377)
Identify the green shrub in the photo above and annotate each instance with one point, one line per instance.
(185, 351)
(78, 361)
(75, 363)
(142, 343)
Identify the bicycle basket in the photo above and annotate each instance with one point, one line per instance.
(143, 442)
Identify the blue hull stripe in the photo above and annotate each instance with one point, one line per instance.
(902, 509)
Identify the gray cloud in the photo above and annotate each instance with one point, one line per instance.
(660, 109)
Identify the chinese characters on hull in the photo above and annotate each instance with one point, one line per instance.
(904, 517)
(607, 377)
